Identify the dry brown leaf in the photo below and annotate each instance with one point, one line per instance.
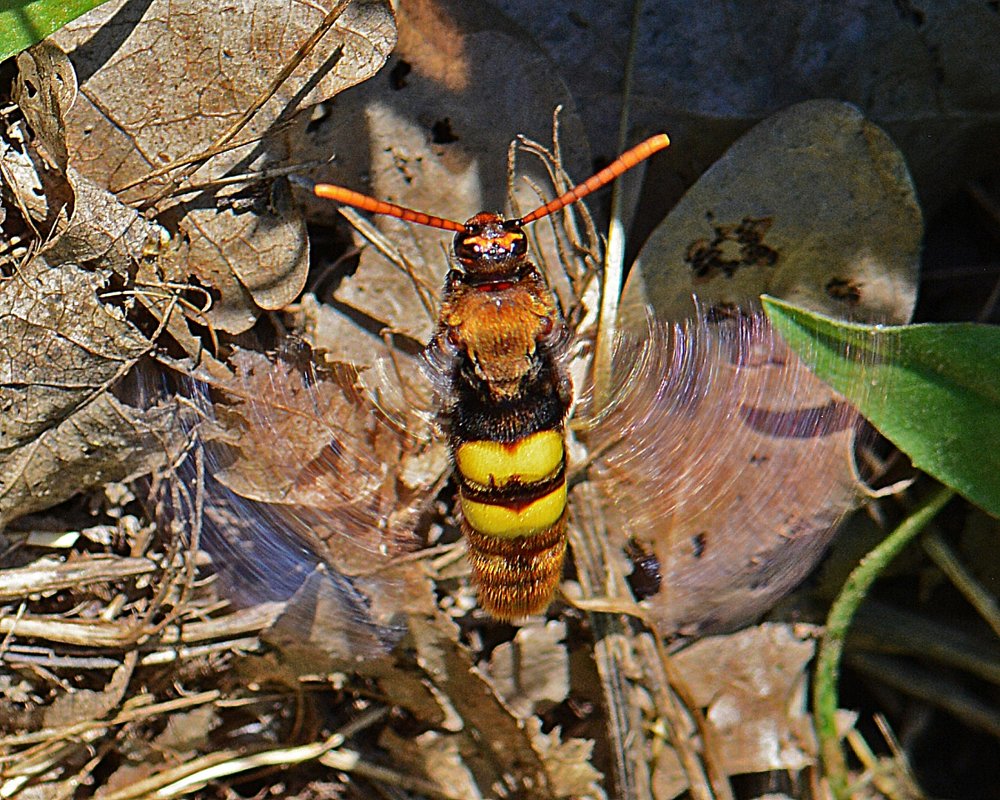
(84, 705)
(531, 673)
(567, 763)
(62, 349)
(33, 150)
(752, 685)
(101, 442)
(106, 235)
(164, 81)
(814, 205)
(45, 90)
(496, 747)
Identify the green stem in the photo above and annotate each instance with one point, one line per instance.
(831, 647)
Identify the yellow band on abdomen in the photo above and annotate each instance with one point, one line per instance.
(499, 520)
(530, 460)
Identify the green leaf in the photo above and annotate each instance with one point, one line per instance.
(933, 390)
(26, 22)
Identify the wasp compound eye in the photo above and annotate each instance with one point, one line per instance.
(468, 247)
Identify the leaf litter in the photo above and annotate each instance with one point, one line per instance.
(474, 715)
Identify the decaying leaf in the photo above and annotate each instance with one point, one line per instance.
(62, 431)
(533, 669)
(33, 158)
(495, 746)
(66, 345)
(45, 90)
(568, 763)
(83, 705)
(103, 441)
(753, 687)
(814, 206)
(157, 86)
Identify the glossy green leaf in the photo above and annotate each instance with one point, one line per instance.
(933, 390)
(26, 22)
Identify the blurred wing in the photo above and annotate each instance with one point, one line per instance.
(725, 466)
(311, 493)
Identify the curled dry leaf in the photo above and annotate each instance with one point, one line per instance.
(814, 204)
(163, 82)
(66, 339)
(45, 89)
(61, 349)
(33, 150)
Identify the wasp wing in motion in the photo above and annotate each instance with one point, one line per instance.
(306, 495)
(725, 465)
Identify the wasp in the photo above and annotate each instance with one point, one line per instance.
(496, 356)
(707, 428)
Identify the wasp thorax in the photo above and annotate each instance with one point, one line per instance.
(490, 245)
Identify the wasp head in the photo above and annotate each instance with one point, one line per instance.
(490, 247)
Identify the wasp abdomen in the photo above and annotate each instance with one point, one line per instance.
(513, 501)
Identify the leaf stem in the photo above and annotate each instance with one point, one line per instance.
(825, 698)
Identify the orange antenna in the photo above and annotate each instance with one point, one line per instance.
(623, 163)
(351, 198)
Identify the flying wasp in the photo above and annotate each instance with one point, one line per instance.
(496, 359)
(705, 432)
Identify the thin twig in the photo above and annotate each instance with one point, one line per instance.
(942, 555)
